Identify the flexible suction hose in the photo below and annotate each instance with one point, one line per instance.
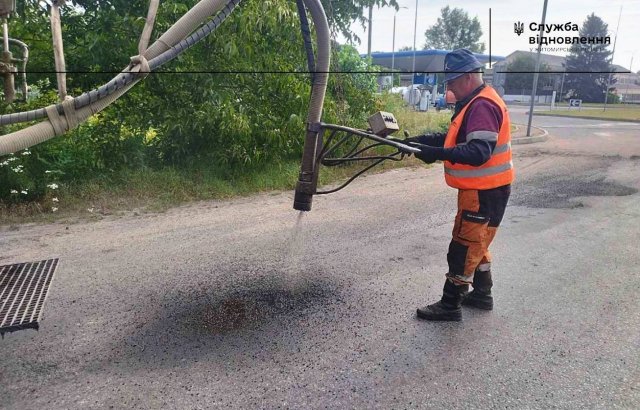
(185, 25)
(125, 78)
(308, 179)
(45, 130)
(160, 52)
(321, 75)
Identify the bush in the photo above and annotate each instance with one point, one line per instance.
(613, 98)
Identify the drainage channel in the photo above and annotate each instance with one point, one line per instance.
(23, 291)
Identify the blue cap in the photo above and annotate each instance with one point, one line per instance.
(458, 62)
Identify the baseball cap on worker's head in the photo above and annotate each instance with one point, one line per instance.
(458, 62)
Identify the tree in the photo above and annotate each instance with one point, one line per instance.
(341, 14)
(454, 29)
(520, 74)
(588, 64)
(405, 48)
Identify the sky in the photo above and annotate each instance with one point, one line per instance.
(504, 13)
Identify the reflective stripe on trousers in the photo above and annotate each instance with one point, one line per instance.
(477, 220)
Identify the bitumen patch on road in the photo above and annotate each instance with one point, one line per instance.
(551, 191)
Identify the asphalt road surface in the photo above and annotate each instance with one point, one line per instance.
(249, 304)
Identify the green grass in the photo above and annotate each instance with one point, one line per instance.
(159, 190)
(151, 190)
(613, 112)
(413, 121)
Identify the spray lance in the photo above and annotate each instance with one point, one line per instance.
(328, 143)
(323, 141)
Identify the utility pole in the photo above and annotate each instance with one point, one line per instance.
(413, 70)
(393, 52)
(370, 22)
(615, 39)
(628, 80)
(537, 72)
(562, 86)
(393, 46)
(415, 31)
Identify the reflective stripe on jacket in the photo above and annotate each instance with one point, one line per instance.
(498, 170)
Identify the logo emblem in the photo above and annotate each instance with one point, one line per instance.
(518, 28)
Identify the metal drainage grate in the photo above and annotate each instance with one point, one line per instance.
(23, 290)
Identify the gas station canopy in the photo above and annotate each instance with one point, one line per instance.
(427, 61)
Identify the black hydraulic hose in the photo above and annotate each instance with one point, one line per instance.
(327, 142)
(353, 156)
(341, 142)
(396, 143)
(355, 147)
(350, 180)
(330, 148)
(306, 37)
(126, 78)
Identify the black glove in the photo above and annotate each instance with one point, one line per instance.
(435, 139)
(428, 154)
(410, 140)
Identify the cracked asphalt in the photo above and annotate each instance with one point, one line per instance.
(249, 304)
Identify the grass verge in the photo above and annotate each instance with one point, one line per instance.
(613, 112)
(158, 190)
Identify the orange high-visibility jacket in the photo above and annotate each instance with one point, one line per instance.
(498, 170)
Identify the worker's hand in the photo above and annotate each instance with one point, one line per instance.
(410, 140)
(428, 154)
(434, 139)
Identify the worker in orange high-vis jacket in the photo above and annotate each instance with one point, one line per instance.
(476, 152)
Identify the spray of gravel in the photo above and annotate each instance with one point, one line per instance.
(295, 273)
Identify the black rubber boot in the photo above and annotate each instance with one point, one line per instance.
(480, 297)
(449, 307)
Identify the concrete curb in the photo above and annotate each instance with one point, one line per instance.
(542, 137)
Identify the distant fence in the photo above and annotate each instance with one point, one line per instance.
(630, 98)
(526, 98)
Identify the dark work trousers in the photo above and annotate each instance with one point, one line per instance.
(479, 215)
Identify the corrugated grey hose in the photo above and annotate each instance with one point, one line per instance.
(79, 109)
(321, 75)
(307, 180)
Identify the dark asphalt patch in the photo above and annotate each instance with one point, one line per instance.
(224, 319)
(559, 192)
(248, 305)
